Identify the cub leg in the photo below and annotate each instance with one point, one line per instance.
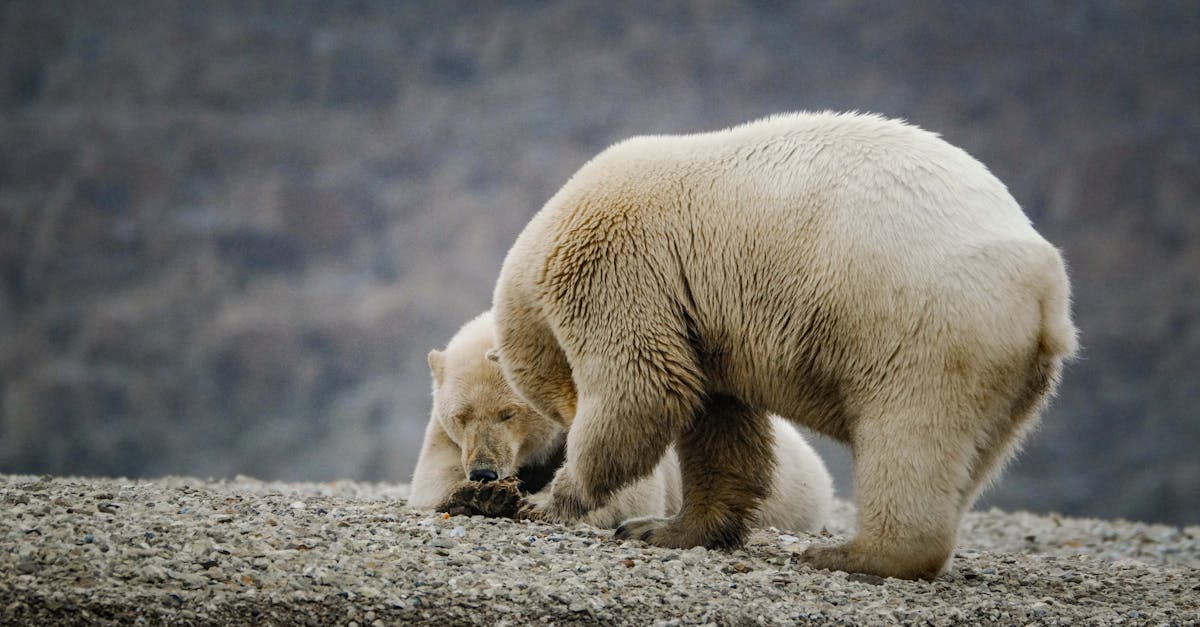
(439, 472)
(727, 461)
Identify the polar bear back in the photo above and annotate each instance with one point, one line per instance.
(864, 182)
(816, 246)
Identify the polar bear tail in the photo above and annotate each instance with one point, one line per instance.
(1058, 342)
(1059, 339)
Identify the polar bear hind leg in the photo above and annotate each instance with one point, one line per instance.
(911, 473)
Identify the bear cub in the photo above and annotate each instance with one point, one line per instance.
(485, 449)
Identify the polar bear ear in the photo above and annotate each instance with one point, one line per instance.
(493, 355)
(437, 365)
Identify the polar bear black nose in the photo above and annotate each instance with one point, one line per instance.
(482, 474)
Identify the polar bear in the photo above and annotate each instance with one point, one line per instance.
(480, 432)
(849, 272)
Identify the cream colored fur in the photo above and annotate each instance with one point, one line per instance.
(852, 273)
(465, 433)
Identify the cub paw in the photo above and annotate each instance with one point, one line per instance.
(494, 499)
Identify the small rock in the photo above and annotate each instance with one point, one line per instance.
(153, 574)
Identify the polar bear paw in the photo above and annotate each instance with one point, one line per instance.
(674, 533)
(647, 529)
(852, 558)
(552, 506)
(494, 499)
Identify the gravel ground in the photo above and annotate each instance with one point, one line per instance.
(185, 551)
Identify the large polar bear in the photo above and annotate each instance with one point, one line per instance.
(851, 273)
(480, 433)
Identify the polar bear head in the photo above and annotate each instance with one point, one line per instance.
(497, 433)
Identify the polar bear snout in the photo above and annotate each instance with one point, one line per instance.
(488, 453)
(482, 474)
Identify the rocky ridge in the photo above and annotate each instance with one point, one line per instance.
(231, 232)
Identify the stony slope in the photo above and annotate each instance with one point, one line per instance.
(188, 551)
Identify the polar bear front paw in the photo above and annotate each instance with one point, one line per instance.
(682, 533)
(533, 507)
(544, 508)
(554, 505)
(671, 533)
(644, 529)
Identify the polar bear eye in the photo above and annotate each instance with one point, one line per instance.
(506, 416)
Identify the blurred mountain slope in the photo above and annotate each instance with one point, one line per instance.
(229, 233)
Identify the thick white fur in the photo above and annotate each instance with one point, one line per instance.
(852, 273)
(469, 393)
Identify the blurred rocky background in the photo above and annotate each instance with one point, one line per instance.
(230, 231)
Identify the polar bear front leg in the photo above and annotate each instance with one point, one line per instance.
(727, 461)
(617, 438)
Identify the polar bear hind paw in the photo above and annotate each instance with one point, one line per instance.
(851, 558)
